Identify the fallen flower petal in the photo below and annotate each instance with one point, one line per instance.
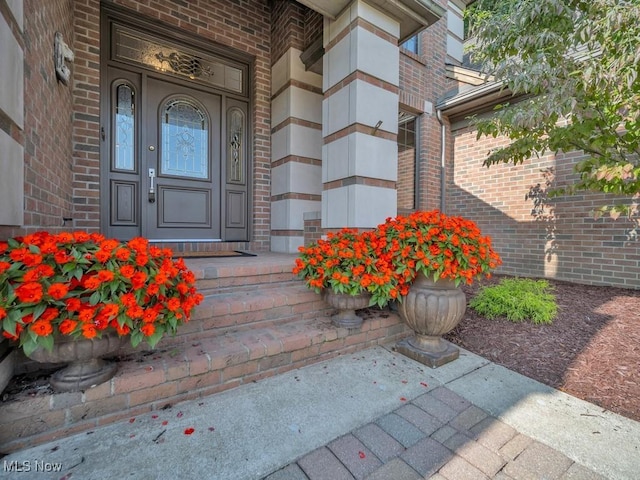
(402, 399)
(189, 431)
(361, 454)
(424, 384)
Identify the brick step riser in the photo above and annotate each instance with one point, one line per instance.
(186, 372)
(208, 286)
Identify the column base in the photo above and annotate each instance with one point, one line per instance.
(431, 359)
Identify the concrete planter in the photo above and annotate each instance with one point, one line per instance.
(431, 309)
(346, 306)
(86, 367)
(7, 363)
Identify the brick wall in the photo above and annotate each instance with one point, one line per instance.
(288, 27)
(406, 179)
(243, 26)
(423, 78)
(554, 238)
(47, 120)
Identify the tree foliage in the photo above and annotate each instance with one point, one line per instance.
(576, 62)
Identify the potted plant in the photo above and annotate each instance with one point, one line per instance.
(74, 297)
(434, 253)
(343, 269)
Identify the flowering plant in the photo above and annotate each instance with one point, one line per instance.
(384, 262)
(82, 284)
(439, 246)
(345, 263)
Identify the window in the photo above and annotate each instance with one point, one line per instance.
(407, 155)
(411, 44)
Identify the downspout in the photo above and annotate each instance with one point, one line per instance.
(443, 152)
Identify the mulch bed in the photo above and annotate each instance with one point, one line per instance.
(590, 351)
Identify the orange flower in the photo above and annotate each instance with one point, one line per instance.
(89, 331)
(61, 257)
(49, 314)
(58, 291)
(148, 329)
(173, 304)
(73, 304)
(29, 292)
(106, 275)
(135, 311)
(123, 254)
(127, 271)
(41, 328)
(67, 326)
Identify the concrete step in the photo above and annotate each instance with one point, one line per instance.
(220, 275)
(148, 381)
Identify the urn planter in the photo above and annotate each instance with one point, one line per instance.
(7, 363)
(86, 367)
(431, 309)
(346, 305)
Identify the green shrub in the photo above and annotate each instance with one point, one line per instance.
(517, 299)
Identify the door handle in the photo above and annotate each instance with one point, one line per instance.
(152, 193)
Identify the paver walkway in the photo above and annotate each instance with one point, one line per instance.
(439, 435)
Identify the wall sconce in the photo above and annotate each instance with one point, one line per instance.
(62, 53)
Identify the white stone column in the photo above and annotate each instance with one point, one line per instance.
(296, 149)
(360, 117)
(12, 105)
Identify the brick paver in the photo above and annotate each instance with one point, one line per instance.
(426, 456)
(402, 430)
(355, 456)
(383, 445)
(459, 469)
(410, 443)
(538, 461)
(290, 472)
(321, 464)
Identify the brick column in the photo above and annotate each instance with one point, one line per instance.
(360, 117)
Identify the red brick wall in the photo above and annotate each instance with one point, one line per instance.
(313, 26)
(557, 239)
(242, 26)
(47, 119)
(406, 179)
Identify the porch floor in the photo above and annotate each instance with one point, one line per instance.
(257, 321)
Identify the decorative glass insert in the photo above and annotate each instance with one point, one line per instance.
(162, 56)
(235, 146)
(124, 131)
(185, 139)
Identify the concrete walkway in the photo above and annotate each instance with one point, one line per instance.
(374, 414)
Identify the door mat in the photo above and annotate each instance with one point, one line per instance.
(217, 254)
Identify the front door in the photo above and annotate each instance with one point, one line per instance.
(174, 140)
(181, 160)
(165, 164)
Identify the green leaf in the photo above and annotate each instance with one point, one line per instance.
(47, 342)
(28, 347)
(95, 298)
